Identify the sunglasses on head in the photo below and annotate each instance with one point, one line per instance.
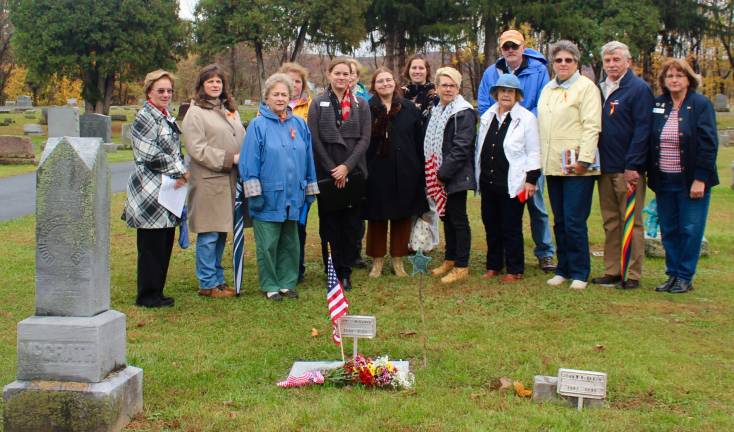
(510, 46)
(568, 60)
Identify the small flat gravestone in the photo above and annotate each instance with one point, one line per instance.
(724, 138)
(545, 389)
(5, 109)
(127, 136)
(16, 150)
(96, 126)
(119, 117)
(32, 129)
(654, 246)
(721, 103)
(63, 121)
(72, 372)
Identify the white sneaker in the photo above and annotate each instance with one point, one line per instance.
(556, 280)
(578, 285)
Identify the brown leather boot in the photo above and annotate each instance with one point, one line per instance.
(456, 274)
(376, 270)
(397, 267)
(215, 293)
(445, 267)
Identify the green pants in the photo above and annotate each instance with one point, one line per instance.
(277, 249)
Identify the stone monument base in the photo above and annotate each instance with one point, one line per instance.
(49, 406)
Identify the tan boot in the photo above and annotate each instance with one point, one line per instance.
(456, 274)
(443, 269)
(397, 267)
(377, 267)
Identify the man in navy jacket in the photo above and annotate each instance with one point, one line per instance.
(530, 68)
(623, 149)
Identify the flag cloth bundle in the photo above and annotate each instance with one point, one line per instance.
(238, 243)
(335, 299)
(309, 378)
(629, 223)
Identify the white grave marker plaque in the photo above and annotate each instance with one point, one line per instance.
(582, 384)
(359, 326)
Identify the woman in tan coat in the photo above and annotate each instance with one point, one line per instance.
(212, 133)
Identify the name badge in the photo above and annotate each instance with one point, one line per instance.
(325, 104)
(658, 110)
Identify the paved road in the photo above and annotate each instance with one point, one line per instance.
(18, 193)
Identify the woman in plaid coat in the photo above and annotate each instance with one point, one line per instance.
(157, 151)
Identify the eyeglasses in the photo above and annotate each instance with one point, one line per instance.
(567, 60)
(384, 81)
(164, 91)
(672, 76)
(510, 46)
(448, 86)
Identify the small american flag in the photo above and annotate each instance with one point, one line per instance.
(309, 378)
(335, 299)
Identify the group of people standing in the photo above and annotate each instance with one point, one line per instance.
(402, 152)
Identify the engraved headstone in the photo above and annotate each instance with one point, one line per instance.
(73, 344)
(63, 121)
(127, 136)
(44, 116)
(32, 129)
(96, 126)
(16, 150)
(724, 138)
(24, 102)
(721, 103)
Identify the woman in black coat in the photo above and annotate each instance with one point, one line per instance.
(395, 187)
(449, 154)
(682, 171)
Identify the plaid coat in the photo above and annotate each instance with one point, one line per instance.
(156, 150)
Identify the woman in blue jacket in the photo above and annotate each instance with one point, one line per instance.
(279, 177)
(683, 170)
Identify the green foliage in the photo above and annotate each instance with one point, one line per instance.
(96, 41)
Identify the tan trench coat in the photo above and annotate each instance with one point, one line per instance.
(212, 138)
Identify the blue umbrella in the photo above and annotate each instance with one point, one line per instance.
(238, 245)
(183, 235)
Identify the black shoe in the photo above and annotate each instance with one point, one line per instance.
(606, 280)
(680, 286)
(665, 286)
(546, 264)
(359, 263)
(292, 294)
(346, 284)
(167, 301)
(275, 297)
(628, 284)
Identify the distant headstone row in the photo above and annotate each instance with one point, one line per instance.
(16, 150)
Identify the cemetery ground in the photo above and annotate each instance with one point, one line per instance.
(212, 365)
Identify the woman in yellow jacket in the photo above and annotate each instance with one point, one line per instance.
(299, 106)
(569, 117)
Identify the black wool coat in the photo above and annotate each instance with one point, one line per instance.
(396, 185)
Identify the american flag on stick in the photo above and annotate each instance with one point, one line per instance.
(335, 299)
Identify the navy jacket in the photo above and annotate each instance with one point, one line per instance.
(625, 126)
(699, 140)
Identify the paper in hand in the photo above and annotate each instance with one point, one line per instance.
(171, 198)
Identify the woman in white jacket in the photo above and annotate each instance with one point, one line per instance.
(507, 168)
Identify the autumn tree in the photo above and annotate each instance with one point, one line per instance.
(7, 60)
(96, 41)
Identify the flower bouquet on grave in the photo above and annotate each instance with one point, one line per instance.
(366, 372)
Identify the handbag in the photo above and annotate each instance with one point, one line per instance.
(424, 234)
(332, 198)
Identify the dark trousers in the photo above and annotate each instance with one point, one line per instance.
(682, 222)
(570, 198)
(154, 255)
(341, 230)
(302, 256)
(456, 230)
(502, 218)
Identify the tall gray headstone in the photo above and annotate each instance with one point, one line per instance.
(721, 103)
(24, 102)
(63, 121)
(71, 369)
(127, 136)
(96, 126)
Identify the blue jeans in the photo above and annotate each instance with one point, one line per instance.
(570, 199)
(682, 222)
(209, 250)
(539, 222)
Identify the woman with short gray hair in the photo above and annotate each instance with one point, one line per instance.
(277, 169)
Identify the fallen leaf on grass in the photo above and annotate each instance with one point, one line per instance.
(521, 391)
(408, 333)
(500, 384)
(314, 332)
(599, 347)
(141, 324)
(233, 415)
(460, 302)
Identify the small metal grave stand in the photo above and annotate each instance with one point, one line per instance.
(582, 384)
(358, 326)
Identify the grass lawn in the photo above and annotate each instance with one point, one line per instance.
(211, 365)
(16, 128)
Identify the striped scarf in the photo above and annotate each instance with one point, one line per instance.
(346, 104)
(432, 150)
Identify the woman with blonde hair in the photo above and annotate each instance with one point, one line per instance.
(157, 152)
(212, 134)
(301, 100)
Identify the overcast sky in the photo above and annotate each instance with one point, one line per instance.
(187, 8)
